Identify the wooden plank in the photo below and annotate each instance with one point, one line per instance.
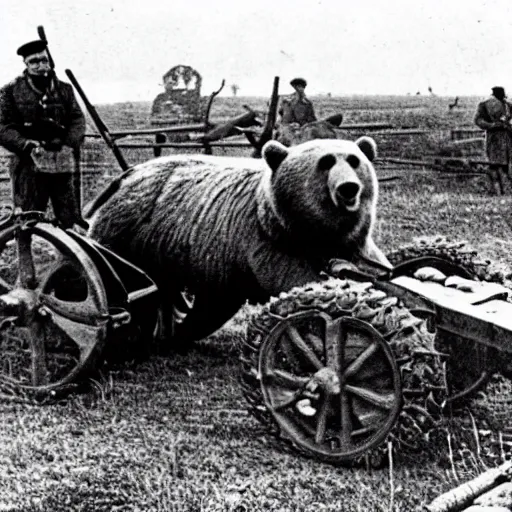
(404, 131)
(462, 142)
(364, 126)
(497, 312)
(488, 323)
(452, 297)
(186, 145)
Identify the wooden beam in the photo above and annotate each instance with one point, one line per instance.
(185, 145)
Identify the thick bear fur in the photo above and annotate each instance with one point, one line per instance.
(294, 134)
(235, 229)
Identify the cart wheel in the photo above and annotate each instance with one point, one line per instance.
(53, 307)
(470, 365)
(329, 367)
(333, 386)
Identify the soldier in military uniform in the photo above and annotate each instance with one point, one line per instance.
(294, 111)
(297, 108)
(494, 116)
(42, 124)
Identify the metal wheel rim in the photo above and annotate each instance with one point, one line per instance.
(91, 324)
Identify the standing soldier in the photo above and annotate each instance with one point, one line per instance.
(494, 116)
(297, 108)
(43, 125)
(295, 111)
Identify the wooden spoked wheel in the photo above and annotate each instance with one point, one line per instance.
(332, 386)
(53, 309)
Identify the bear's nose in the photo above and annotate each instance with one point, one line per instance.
(347, 192)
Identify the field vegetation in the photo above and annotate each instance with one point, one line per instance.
(172, 433)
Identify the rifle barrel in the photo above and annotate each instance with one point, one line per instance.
(100, 125)
(42, 35)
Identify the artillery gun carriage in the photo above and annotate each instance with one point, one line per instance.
(334, 369)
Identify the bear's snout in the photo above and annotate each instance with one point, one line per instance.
(345, 189)
(348, 191)
(347, 195)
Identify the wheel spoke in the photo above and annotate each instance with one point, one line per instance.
(345, 420)
(85, 336)
(364, 431)
(289, 352)
(39, 367)
(283, 378)
(26, 266)
(335, 339)
(316, 342)
(5, 286)
(356, 365)
(382, 400)
(322, 420)
(303, 349)
(82, 311)
(281, 399)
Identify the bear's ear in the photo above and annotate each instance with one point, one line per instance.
(368, 146)
(274, 153)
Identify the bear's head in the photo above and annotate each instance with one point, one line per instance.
(322, 191)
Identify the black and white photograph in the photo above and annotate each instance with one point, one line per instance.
(255, 256)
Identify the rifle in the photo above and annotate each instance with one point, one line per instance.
(42, 35)
(100, 125)
(270, 122)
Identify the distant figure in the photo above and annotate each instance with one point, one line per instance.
(43, 125)
(451, 106)
(494, 116)
(431, 91)
(297, 108)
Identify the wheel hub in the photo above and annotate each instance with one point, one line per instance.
(327, 380)
(19, 302)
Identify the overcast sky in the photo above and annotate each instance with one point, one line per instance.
(119, 49)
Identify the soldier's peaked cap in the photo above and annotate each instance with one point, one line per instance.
(32, 47)
(498, 88)
(298, 81)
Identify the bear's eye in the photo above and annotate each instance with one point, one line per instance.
(326, 162)
(353, 161)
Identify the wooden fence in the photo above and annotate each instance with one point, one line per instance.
(98, 164)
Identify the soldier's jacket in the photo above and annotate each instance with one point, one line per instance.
(498, 141)
(26, 112)
(296, 110)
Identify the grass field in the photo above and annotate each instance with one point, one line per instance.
(173, 433)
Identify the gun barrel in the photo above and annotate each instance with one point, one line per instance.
(42, 35)
(100, 125)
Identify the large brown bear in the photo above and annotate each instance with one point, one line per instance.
(235, 229)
